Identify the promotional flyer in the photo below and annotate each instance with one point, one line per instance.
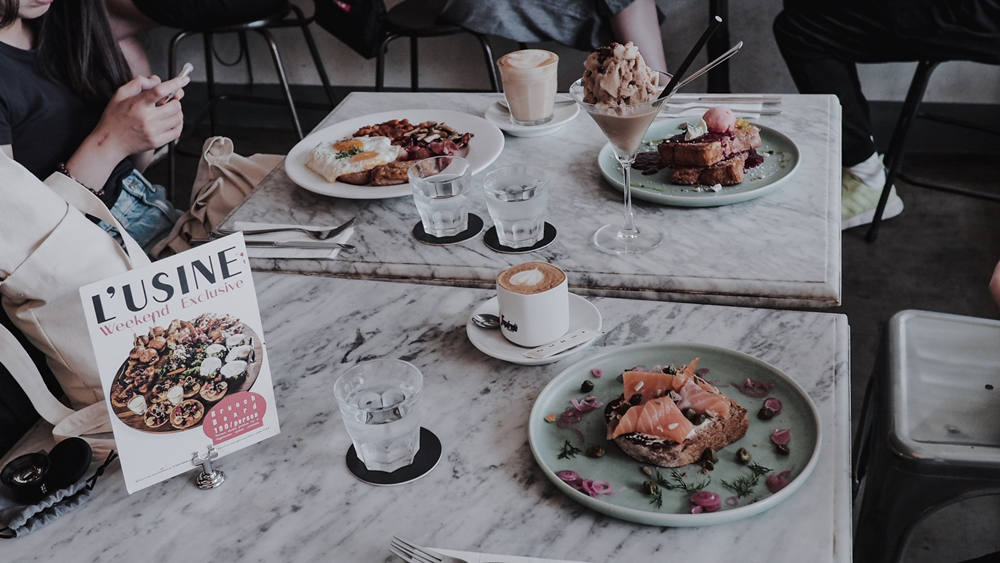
(182, 360)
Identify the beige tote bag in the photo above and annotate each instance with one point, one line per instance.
(223, 181)
(49, 250)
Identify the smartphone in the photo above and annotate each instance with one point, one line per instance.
(186, 70)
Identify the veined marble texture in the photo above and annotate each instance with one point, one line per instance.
(781, 250)
(291, 498)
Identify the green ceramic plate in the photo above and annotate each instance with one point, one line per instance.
(625, 474)
(781, 159)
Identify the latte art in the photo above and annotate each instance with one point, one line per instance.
(531, 277)
(527, 278)
(528, 58)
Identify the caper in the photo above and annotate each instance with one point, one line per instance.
(784, 449)
(743, 456)
(650, 487)
(621, 378)
(765, 413)
(698, 419)
(690, 414)
(708, 465)
(587, 386)
(635, 399)
(595, 451)
(709, 455)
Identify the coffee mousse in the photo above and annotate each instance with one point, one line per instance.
(531, 278)
(529, 84)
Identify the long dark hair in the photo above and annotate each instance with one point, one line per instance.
(76, 47)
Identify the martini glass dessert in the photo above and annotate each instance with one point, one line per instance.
(619, 91)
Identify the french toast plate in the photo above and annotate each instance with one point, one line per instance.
(781, 160)
(484, 147)
(629, 500)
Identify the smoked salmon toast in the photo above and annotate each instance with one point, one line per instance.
(668, 418)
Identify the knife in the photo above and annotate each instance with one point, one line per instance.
(745, 99)
(286, 243)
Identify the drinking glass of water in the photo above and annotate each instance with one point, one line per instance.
(516, 197)
(440, 185)
(380, 403)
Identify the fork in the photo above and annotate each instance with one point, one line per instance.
(412, 553)
(318, 234)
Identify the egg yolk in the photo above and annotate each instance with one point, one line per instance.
(363, 156)
(348, 144)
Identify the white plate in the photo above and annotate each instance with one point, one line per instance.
(484, 147)
(561, 114)
(582, 314)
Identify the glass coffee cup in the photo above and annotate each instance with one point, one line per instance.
(529, 85)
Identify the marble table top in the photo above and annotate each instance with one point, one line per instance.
(291, 498)
(782, 250)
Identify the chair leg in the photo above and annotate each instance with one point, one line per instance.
(380, 62)
(276, 57)
(210, 78)
(320, 68)
(894, 157)
(172, 148)
(414, 66)
(490, 65)
(869, 414)
(718, 77)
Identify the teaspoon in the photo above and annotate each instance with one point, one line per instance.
(485, 320)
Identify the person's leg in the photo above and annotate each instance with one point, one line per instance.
(639, 24)
(128, 22)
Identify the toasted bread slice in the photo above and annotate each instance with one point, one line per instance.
(715, 433)
(391, 174)
(729, 172)
(709, 148)
(357, 178)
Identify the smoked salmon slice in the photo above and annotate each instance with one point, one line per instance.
(658, 417)
(650, 384)
(694, 396)
(685, 375)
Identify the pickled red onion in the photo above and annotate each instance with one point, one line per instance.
(753, 388)
(781, 437)
(777, 482)
(590, 487)
(574, 414)
(597, 372)
(733, 501)
(705, 501)
(773, 404)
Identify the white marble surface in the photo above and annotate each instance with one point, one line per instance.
(291, 498)
(781, 250)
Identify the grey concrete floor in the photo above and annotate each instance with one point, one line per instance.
(938, 255)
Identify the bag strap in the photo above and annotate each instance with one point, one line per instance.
(19, 364)
(88, 202)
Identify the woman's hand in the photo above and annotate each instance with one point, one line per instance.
(132, 123)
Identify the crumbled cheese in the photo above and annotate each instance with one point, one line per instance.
(673, 425)
(639, 385)
(714, 188)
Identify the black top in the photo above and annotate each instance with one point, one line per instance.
(44, 121)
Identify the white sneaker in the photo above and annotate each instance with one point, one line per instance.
(858, 202)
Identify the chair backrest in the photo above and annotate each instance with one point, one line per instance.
(359, 24)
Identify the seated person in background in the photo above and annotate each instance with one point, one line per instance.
(584, 25)
(67, 104)
(822, 42)
(131, 18)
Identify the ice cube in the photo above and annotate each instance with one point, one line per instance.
(383, 416)
(370, 400)
(393, 397)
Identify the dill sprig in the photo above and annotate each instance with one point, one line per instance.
(676, 481)
(657, 499)
(758, 469)
(742, 485)
(569, 451)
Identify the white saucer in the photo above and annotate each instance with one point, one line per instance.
(562, 113)
(582, 314)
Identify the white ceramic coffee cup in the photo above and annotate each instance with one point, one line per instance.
(533, 319)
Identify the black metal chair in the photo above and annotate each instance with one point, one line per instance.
(894, 156)
(285, 16)
(926, 436)
(413, 19)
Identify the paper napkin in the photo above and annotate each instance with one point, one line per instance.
(473, 557)
(289, 236)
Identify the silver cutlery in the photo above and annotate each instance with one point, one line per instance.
(412, 553)
(668, 113)
(486, 320)
(742, 99)
(285, 243)
(323, 233)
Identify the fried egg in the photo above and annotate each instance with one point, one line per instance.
(359, 154)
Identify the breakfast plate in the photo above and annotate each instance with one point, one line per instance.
(582, 314)
(781, 160)
(629, 500)
(484, 147)
(562, 113)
